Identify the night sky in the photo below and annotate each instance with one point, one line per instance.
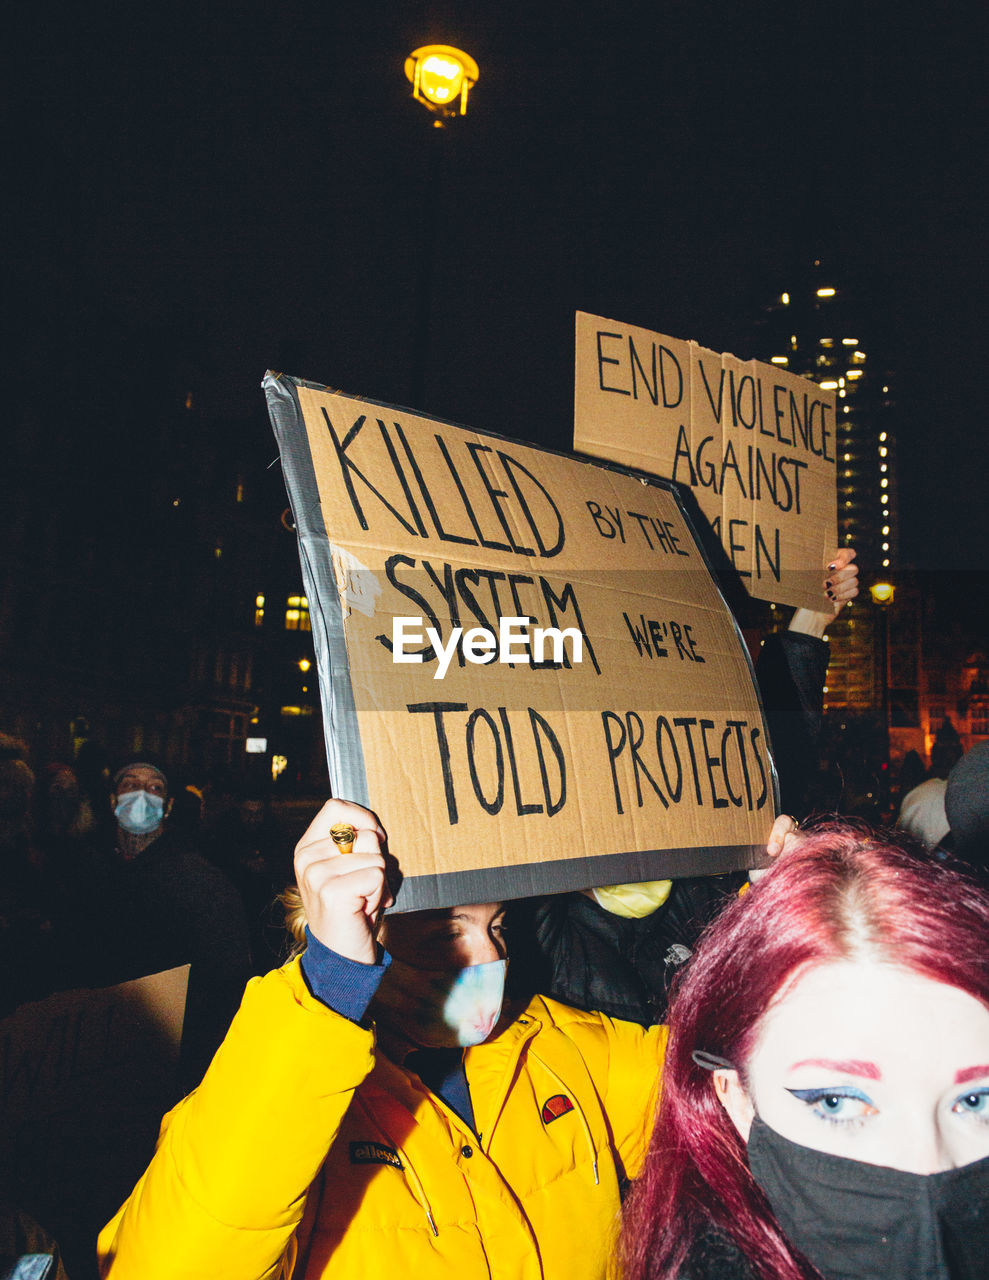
(249, 185)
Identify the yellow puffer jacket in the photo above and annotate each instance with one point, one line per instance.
(305, 1154)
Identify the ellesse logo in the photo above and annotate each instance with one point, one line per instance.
(374, 1153)
(555, 1107)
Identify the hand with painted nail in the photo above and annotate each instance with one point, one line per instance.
(841, 584)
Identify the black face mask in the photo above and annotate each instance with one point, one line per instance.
(858, 1221)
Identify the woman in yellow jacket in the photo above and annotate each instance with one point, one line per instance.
(448, 1139)
(315, 1146)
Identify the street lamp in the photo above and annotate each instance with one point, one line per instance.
(882, 597)
(882, 593)
(441, 77)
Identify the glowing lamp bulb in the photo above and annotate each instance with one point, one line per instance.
(441, 78)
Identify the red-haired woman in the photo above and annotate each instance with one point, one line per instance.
(825, 1106)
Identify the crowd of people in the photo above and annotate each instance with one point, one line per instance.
(725, 1078)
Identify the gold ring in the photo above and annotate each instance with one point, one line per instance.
(343, 836)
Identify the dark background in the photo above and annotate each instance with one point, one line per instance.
(200, 192)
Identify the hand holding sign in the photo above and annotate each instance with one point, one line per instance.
(841, 584)
(343, 893)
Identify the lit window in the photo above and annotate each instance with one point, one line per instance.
(827, 292)
(240, 491)
(259, 611)
(885, 390)
(827, 342)
(188, 399)
(849, 342)
(778, 360)
(854, 373)
(885, 564)
(885, 530)
(883, 452)
(846, 457)
(829, 386)
(291, 712)
(882, 435)
(884, 483)
(883, 468)
(885, 546)
(297, 614)
(785, 299)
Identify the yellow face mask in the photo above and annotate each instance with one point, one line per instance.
(633, 901)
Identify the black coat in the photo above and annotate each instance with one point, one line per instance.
(585, 956)
(164, 908)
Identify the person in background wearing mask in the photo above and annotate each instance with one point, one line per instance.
(159, 903)
(826, 1087)
(377, 1108)
(141, 805)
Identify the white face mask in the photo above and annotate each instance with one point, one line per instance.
(440, 1009)
(140, 812)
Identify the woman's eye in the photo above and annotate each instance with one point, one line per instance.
(975, 1103)
(838, 1105)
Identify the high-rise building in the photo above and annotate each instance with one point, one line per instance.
(824, 328)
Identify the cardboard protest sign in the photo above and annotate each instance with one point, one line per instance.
(754, 443)
(85, 1077)
(527, 670)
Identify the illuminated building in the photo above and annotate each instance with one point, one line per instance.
(823, 328)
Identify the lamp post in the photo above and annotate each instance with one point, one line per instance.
(441, 79)
(882, 594)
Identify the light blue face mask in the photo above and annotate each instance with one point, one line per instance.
(140, 812)
(441, 1008)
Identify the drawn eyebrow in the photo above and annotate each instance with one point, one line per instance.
(971, 1073)
(851, 1067)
